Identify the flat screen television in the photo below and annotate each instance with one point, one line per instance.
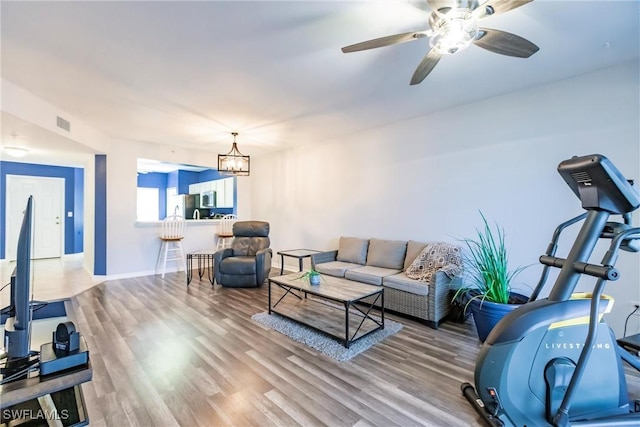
(17, 328)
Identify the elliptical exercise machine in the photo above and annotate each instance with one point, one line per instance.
(554, 361)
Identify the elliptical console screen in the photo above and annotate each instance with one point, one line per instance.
(599, 184)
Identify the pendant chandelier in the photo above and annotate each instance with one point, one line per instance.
(234, 162)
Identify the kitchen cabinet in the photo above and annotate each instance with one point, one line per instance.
(207, 186)
(223, 188)
(228, 193)
(220, 196)
(224, 192)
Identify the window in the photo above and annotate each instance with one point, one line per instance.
(148, 202)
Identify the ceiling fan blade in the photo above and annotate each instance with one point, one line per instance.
(505, 43)
(384, 41)
(429, 61)
(496, 7)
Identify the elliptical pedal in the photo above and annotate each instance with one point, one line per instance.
(631, 343)
(491, 418)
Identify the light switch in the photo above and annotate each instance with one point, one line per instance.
(70, 214)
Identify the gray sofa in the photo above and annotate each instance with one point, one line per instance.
(386, 263)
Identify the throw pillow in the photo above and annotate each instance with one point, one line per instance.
(352, 249)
(386, 253)
(436, 257)
(413, 250)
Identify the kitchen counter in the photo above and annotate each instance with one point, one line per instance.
(198, 235)
(188, 221)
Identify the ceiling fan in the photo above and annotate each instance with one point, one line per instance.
(454, 26)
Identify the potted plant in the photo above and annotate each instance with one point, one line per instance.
(488, 279)
(312, 276)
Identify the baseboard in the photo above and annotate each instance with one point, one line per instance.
(133, 274)
(130, 275)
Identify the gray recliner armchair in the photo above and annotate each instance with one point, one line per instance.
(247, 262)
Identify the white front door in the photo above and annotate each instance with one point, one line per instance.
(48, 203)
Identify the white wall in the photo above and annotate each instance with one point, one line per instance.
(427, 178)
(423, 179)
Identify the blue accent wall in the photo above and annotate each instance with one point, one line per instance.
(152, 180)
(186, 178)
(172, 180)
(73, 195)
(78, 214)
(210, 175)
(100, 208)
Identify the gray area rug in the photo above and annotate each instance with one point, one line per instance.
(322, 342)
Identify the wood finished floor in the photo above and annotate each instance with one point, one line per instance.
(53, 278)
(164, 354)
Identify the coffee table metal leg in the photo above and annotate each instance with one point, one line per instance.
(200, 267)
(269, 299)
(189, 266)
(382, 309)
(281, 265)
(210, 267)
(346, 324)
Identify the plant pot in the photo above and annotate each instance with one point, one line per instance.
(487, 314)
(458, 312)
(314, 279)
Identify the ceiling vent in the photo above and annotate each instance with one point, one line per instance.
(64, 124)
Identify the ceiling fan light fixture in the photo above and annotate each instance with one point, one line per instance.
(453, 31)
(16, 151)
(234, 162)
(453, 26)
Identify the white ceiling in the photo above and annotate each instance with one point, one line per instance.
(190, 73)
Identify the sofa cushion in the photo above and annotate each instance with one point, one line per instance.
(369, 274)
(440, 256)
(335, 268)
(353, 249)
(401, 282)
(413, 250)
(386, 253)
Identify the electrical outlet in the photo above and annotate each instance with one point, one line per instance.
(635, 303)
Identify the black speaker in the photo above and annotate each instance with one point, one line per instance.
(65, 339)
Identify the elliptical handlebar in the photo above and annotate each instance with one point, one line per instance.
(618, 241)
(605, 271)
(551, 251)
(600, 271)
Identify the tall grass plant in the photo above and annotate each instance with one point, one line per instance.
(487, 273)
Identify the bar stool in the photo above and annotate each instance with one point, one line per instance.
(225, 234)
(171, 235)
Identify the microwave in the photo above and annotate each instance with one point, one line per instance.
(208, 199)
